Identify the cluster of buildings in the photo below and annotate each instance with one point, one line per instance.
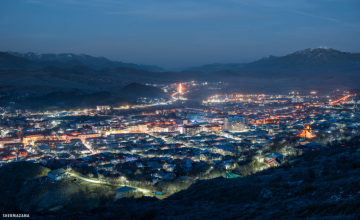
(165, 144)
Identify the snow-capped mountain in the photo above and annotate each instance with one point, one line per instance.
(321, 59)
(324, 54)
(313, 59)
(62, 57)
(87, 60)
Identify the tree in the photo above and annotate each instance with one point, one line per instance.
(20, 134)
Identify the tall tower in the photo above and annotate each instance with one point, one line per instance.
(180, 89)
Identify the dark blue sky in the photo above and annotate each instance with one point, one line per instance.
(178, 33)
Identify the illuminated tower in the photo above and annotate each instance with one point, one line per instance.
(180, 88)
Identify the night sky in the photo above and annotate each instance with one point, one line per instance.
(178, 33)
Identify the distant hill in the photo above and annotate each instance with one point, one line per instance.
(83, 59)
(77, 99)
(8, 62)
(77, 96)
(308, 60)
(135, 90)
(302, 70)
(218, 67)
(124, 73)
(11, 62)
(79, 70)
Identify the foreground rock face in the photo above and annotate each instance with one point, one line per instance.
(319, 185)
(46, 195)
(25, 189)
(13, 177)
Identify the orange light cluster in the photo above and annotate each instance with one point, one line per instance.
(307, 132)
(339, 100)
(267, 121)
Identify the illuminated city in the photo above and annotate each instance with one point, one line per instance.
(172, 110)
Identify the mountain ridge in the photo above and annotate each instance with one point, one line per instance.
(268, 73)
(87, 60)
(308, 60)
(319, 59)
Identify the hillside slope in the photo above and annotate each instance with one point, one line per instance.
(13, 177)
(323, 184)
(135, 90)
(25, 188)
(318, 186)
